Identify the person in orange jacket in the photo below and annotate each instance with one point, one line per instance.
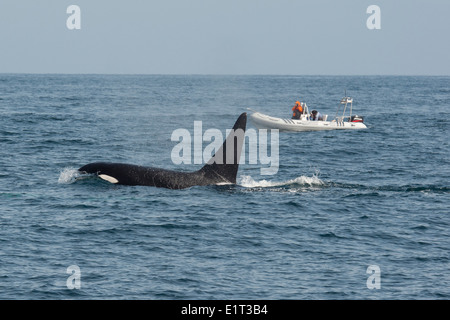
(297, 110)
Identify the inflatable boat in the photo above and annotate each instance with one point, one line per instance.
(306, 123)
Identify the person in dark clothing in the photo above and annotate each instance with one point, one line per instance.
(316, 116)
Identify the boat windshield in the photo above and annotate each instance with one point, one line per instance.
(341, 116)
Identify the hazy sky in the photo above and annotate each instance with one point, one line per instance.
(313, 37)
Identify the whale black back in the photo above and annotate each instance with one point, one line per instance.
(222, 168)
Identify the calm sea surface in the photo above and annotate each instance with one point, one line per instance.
(340, 202)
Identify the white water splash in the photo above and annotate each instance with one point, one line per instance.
(249, 182)
(69, 175)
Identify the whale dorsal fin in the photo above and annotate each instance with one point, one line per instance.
(224, 165)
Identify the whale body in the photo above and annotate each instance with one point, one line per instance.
(222, 168)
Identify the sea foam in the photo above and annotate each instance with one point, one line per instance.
(69, 175)
(249, 182)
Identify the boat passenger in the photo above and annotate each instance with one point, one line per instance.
(316, 116)
(297, 110)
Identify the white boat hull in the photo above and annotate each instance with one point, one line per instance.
(263, 121)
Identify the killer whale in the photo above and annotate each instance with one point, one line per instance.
(222, 168)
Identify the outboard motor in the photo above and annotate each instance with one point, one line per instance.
(357, 118)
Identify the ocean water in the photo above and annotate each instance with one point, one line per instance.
(340, 202)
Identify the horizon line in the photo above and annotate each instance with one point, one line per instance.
(226, 74)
